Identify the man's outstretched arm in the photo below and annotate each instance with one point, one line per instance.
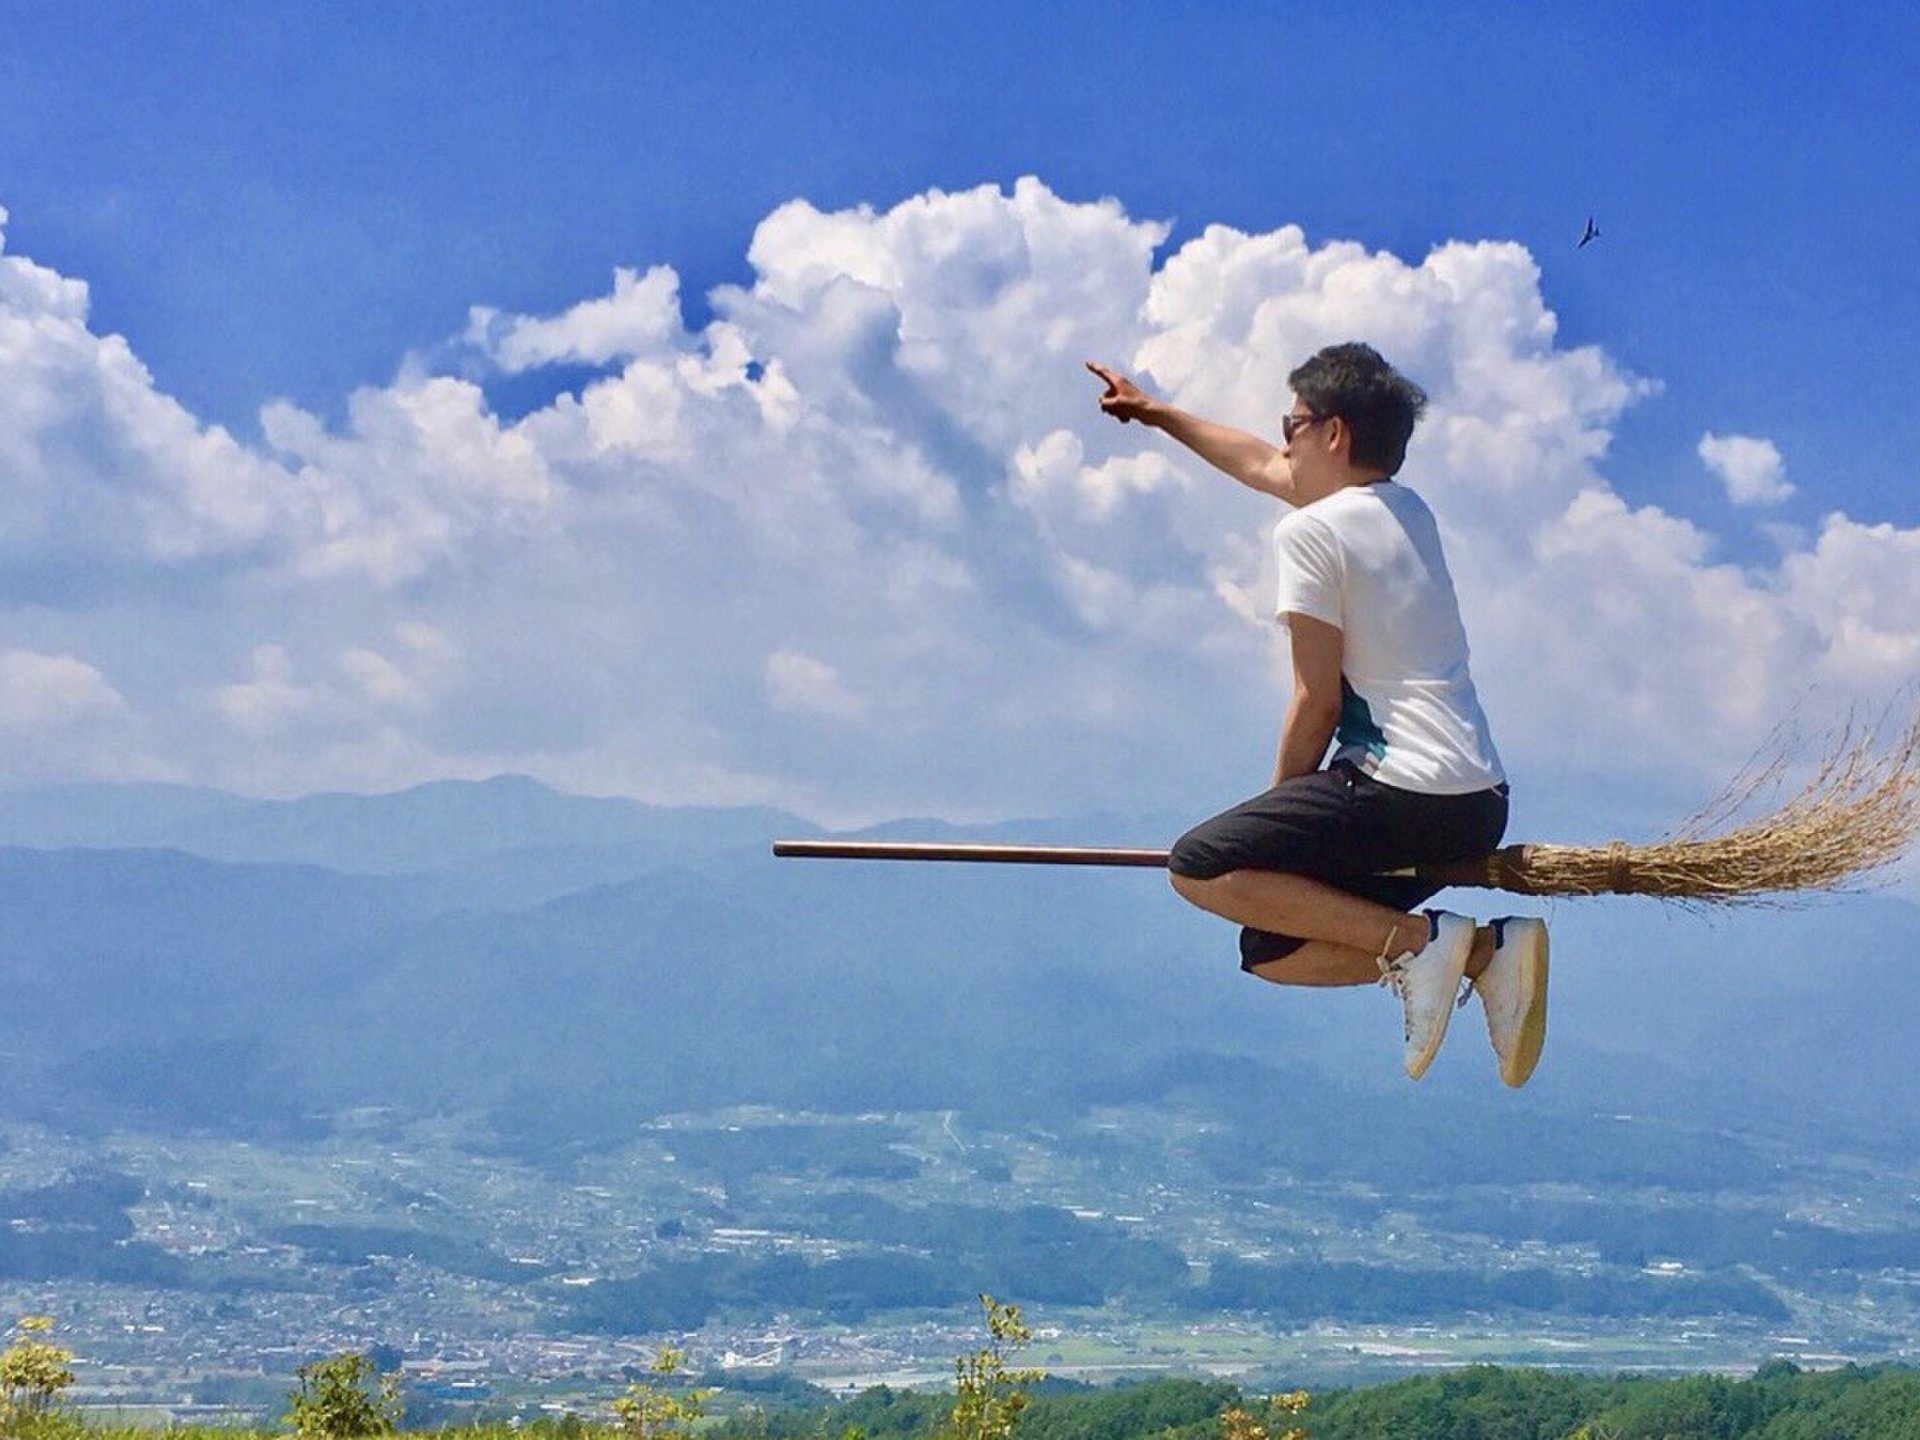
(1252, 461)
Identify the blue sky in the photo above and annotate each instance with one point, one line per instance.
(295, 207)
(280, 201)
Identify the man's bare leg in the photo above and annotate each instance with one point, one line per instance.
(1296, 905)
(1322, 962)
(1347, 935)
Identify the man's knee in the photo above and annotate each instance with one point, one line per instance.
(1275, 972)
(1195, 856)
(1191, 888)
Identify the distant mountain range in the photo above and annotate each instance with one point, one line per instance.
(476, 828)
(565, 966)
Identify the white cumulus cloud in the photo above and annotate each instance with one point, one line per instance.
(797, 682)
(38, 689)
(641, 315)
(267, 699)
(101, 469)
(881, 449)
(1749, 466)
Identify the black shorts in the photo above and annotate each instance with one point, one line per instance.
(1345, 828)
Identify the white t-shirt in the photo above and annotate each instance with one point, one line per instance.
(1367, 559)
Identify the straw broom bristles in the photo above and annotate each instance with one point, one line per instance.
(1857, 813)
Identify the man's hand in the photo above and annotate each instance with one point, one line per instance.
(1258, 464)
(1123, 399)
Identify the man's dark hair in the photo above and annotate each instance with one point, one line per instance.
(1379, 404)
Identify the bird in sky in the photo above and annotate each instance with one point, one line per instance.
(1591, 234)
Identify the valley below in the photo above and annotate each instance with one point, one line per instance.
(194, 1275)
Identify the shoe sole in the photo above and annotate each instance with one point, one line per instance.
(1530, 951)
(1417, 1066)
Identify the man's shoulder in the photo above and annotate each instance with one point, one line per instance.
(1383, 503)
(1305, 521)
(1333, 511)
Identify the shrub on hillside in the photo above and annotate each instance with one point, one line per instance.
(32, 1375)
(343, 1397)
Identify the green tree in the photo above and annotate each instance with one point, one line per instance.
(343, 1397)
(650, 1411)
(988, 1396)
(33, 1372)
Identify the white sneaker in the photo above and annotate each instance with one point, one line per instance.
(1427, 982)
(1513, 992)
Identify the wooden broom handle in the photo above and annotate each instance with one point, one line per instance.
(1480, 872)
(984, 854)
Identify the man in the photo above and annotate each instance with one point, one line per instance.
(1380, 666)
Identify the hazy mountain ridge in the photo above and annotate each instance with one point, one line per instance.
(438, 826)
(673, 963)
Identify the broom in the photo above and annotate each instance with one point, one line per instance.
(1856, 815)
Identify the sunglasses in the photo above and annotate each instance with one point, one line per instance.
(1291, 424)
